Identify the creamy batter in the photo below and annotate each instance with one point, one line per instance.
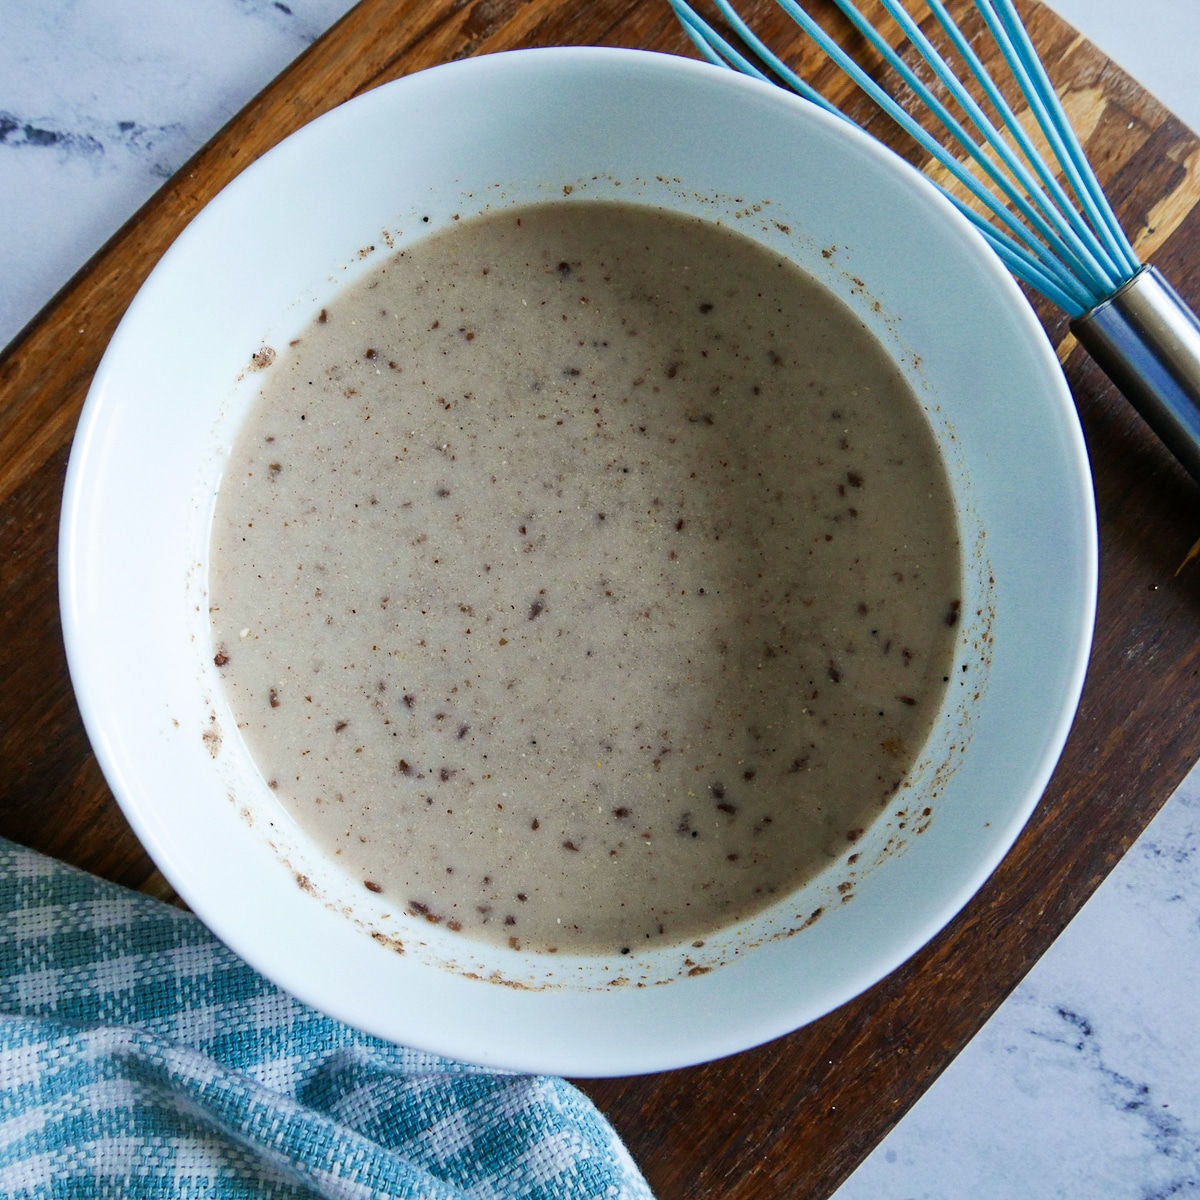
(585, 579)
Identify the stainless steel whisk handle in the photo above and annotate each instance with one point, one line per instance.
(1147, 341)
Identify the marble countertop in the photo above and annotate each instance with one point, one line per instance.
(1086, 1082)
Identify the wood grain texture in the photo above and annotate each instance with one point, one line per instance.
(793, 1118)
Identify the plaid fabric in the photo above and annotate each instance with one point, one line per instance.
(140, 1058)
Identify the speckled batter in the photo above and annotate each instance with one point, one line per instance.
(585, 579)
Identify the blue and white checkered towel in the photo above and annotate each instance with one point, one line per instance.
(140, 1058)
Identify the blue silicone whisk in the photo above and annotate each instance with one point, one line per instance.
(1062, 239)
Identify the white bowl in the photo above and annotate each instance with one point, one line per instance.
(325, 206)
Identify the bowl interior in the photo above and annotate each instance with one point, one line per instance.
(325, 206)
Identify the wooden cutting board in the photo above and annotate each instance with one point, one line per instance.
(793, 1118)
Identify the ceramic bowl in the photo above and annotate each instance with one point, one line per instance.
(328, 204)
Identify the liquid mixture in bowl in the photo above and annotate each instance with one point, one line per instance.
(585, 579)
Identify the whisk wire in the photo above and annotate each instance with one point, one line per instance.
(1059, 220)
(1023, 255)
(1033, 204)
(1038, 267)
(1019, 262)
(1073, 257)
(1011, 35)
(1062, 207)
(718, 51)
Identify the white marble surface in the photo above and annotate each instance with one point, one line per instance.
(101, 100)
(1156, 41)
(1087, 1081)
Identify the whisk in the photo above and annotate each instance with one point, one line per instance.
(1060, 238)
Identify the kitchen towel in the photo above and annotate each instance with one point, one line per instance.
(140, 1058)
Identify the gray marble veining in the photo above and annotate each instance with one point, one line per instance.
(101, 100)
(1085, 1082)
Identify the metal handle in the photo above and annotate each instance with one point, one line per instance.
(1147, 340)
